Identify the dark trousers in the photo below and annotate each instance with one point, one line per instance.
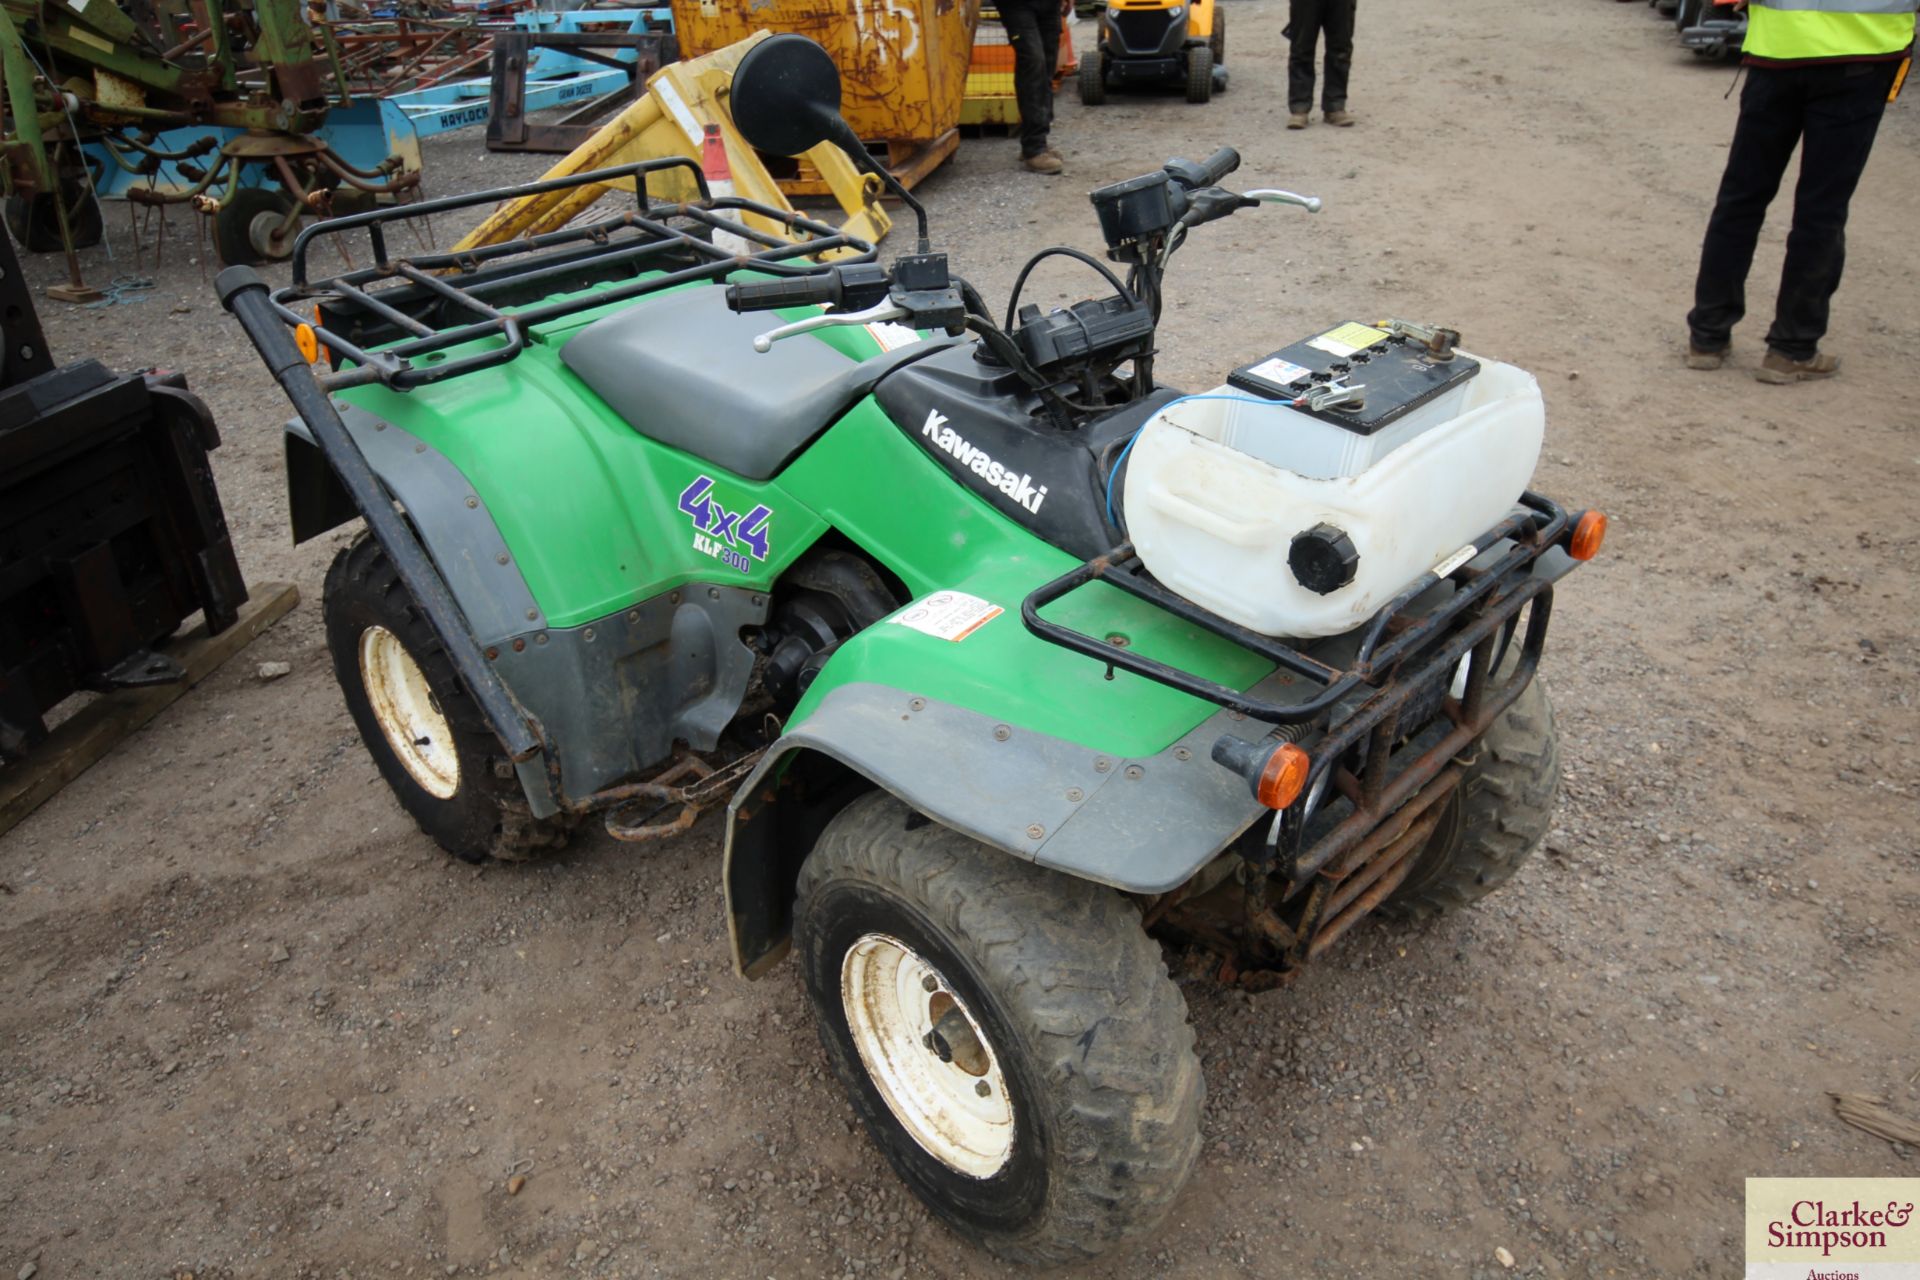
(1307, 21)
(1834, 112)
(1033, 28)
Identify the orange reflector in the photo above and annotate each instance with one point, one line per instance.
(303, 337)
(1588, 534)
(1283, 776)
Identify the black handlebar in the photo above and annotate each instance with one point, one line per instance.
(771, 295)
(1207, 173)
(1219, 165)
(848, 288)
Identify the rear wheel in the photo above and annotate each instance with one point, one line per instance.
(1497, 816)
(1200, 74)
(425, 733)
(1093, 79)
(1217, 39)
(1009, 1036)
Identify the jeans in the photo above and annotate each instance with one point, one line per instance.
(1307, 19)
(1833, 111)
(1033, 28)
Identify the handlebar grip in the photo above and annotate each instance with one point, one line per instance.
(1219, 165)
(771, 295)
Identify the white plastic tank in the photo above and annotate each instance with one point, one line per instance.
(1220, 484)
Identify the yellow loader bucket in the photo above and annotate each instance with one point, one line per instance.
(670, 119)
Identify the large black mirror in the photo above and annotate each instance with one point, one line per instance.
(786, 96)
(786, 99)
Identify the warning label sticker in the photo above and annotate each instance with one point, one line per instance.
(1347, 339)
(948, 615)
(891, 336)
(1279, 371)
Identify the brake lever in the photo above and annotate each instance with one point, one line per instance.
(1209, 203)
(1272, 195)
(885, 309)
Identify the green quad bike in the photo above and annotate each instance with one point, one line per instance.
(863, 569)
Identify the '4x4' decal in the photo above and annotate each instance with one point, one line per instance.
(728, 529)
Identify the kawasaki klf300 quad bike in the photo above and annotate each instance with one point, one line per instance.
(1013, 666)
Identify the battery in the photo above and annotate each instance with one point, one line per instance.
(1399, 376)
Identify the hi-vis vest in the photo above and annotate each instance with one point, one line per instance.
(1824, 30)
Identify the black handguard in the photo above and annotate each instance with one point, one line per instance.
(848, 288)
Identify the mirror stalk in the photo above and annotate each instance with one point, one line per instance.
(844, 138)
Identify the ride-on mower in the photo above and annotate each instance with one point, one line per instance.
(1158, 42)
(1013, 665)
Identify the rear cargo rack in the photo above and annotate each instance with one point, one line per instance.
(1388, 638)
(392, 321)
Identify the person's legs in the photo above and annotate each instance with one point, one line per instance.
(1337, 22)
(1304, 23)
(1843, 111)
(1763, 142)
(1047, 17)
(1032, 72)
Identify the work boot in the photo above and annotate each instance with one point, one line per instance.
(1781, 369)
(1043, 162)
(1699, 357)
(1342, 118)
(1297, 120)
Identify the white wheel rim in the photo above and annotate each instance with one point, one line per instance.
(958, 1108)
(408, 713)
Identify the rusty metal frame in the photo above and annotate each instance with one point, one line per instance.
(507, 127)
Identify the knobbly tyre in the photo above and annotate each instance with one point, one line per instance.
(1012, 664)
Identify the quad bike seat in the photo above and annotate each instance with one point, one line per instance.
(680, 368)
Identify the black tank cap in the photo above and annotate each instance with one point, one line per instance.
(1323, 559)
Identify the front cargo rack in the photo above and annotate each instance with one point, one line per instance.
(1387, 638)
(382, 322)
(1397, 690)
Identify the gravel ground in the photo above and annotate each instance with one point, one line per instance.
(252, 1023)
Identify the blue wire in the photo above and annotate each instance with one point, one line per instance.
(1135, 438)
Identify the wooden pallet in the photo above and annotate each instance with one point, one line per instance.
(84, 739)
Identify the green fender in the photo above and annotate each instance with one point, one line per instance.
(1108, 780)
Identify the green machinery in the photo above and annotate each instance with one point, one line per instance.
(213, 103)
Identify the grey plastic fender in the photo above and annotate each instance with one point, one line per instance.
(1142, 825)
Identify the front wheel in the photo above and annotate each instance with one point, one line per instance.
(1008, 1035)
(1199, 74)
(425, 732)
(1093, 79)
(1497, 816)
(247, 230)
(1217, 38)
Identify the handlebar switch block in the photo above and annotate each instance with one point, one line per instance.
(921, 272)
(862, 284)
